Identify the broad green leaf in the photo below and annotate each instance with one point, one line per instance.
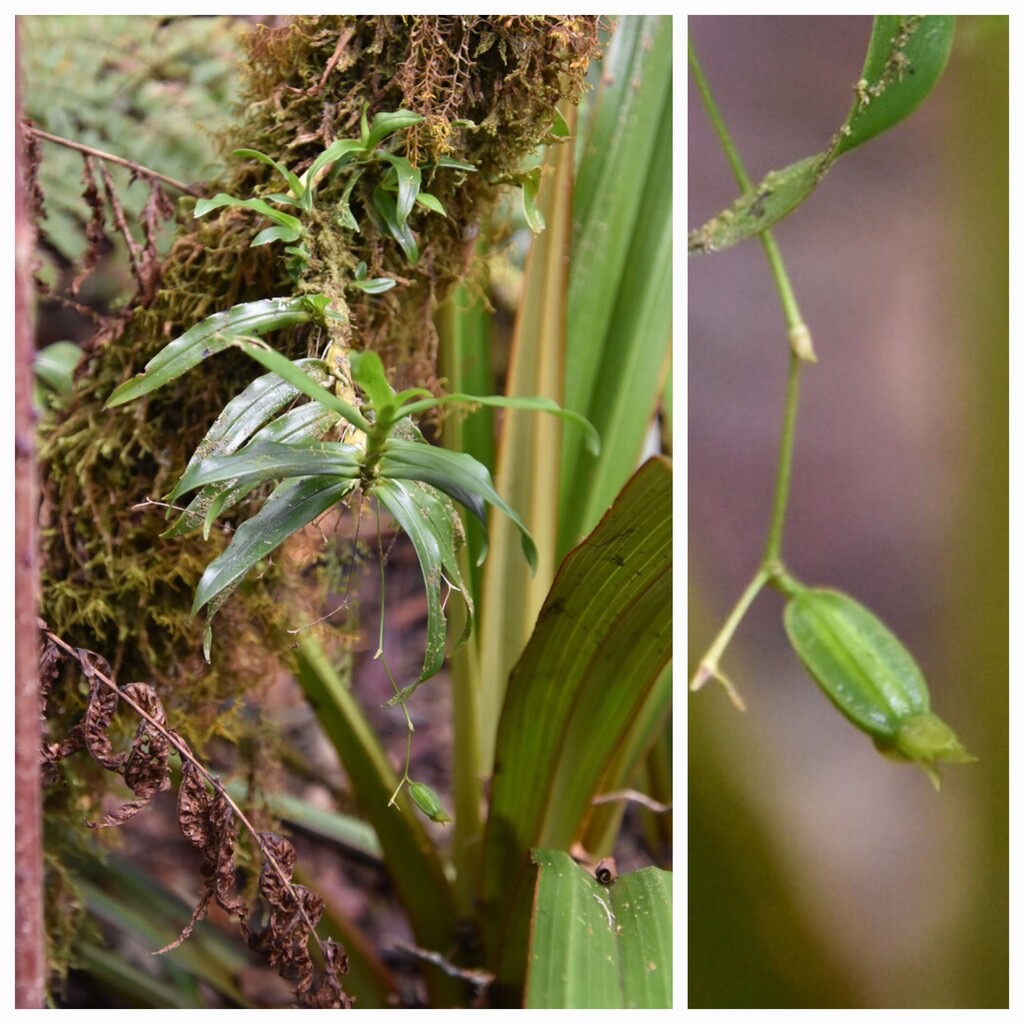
(260, 461)
(214, 334)
(337, 151)
(595, 946)
(293, 505)
(431, 202)
(458, 475)
(409, 854)
(375, 285)
(906, 57)
(594, 661)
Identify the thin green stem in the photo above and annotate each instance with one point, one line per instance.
(773, 548)
(709, 665)
(801, 350)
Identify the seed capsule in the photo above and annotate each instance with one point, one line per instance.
(871, 677)
(427, 801)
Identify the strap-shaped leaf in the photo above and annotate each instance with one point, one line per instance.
(435, 530)
(409, 178)
(285, 220)
(214, 334)
(293, 505)
(304, 423)
(385, 204)
(293, 179)
(264, 460)
(458, 475)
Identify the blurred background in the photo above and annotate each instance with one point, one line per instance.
(820, 874)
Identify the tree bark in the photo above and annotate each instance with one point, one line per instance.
(29, 956)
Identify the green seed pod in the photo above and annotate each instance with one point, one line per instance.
(427, 801)
(871, 677)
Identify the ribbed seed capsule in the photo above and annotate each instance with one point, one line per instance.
(871, 677)
(427, 801)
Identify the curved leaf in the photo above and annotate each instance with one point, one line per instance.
(385, 204)
(458, 475)
(293, 179)
(596, 658)
(387, 123)
(293, 505)
(435, 530)
(304, 423)
(264, 460)
(214, 334)
(906, 57)
(409, 178)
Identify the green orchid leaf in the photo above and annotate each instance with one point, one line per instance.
(293, 179)
(385, 205)
(214, 334)
(304, 423)
(368, 372)
(906, 57)
(339, 152)
(278, 233)
(431, 202)
(533, 404)
(264, 460)
(409, 178)
(387, 123)
(344, 210)
(286, 369)
(777, 195)
(452, 164)
(204, 206)
(396, 497)
(375, 285)
(457, 474)
(292, 505)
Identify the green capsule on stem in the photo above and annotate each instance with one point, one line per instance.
(427, 801)
(870, 677)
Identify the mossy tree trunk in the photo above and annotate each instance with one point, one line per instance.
(486, 88)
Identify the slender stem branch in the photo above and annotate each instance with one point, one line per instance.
(144, 172)
(801, 350)
(773, 547)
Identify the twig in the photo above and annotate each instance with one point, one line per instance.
(138, 169)
(182, 748)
